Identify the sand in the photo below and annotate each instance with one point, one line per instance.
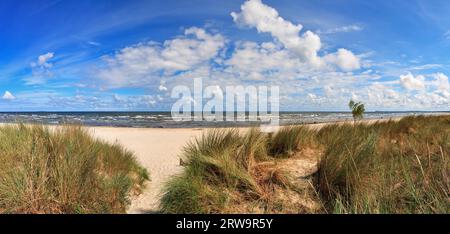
(158, 150)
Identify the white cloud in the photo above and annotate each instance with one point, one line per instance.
(199, 53)
(426, 67)
(411, 82)
(431, 99)
(184, 53)
(344, 59)
(40, 70)
(8, 96)
(344, 29)
(130, 102)
(148, 99)
(140, 64)
(441, 82)
(162, 86)
(94, 43)
(266, 19)
(43, 59)
(381, 95)
(252, 60)
(286, 61)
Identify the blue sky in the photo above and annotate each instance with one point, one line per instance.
(127, 55)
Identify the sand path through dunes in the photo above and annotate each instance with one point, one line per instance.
(158, 150)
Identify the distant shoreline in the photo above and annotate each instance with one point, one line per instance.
(160, 120)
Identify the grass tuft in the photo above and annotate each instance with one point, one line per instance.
(64, 170)
(289, 140)
(226, 172)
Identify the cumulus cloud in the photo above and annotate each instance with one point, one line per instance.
(199, 53)
(140, 64)
(411, 82)
(8, 96)
(306, 46)
(344, 59)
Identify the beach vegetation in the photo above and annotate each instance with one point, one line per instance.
(357, 109)
(229, 172)
(64, 170)
(395, 166)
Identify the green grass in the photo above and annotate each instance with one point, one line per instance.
(289, 140)
(386, 167)
(226, 172)
(64, 170)
(393, 167)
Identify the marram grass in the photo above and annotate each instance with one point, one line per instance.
(386, 167)
(64, 170)
(228, 172)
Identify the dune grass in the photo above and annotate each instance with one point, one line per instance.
(386, 167)
(226, 172)
(289, 140)
(64, 170)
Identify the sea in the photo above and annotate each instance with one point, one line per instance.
(165, 120)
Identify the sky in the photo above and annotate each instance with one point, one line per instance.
(79, 55)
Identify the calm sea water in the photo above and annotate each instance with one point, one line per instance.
(164, 119)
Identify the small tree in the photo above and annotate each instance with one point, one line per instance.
(357, 110)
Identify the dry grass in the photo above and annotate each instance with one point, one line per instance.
(64, 171)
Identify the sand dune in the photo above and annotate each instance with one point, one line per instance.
(158, 150)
